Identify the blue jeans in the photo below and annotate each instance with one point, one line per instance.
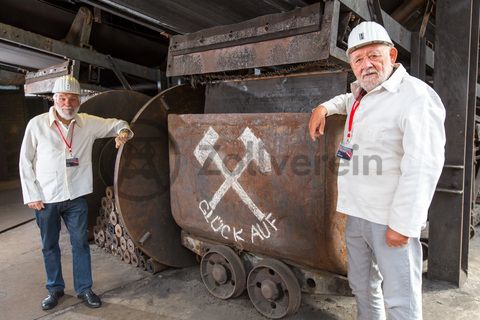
(75, 216)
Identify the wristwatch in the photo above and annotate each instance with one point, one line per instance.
(124, 132)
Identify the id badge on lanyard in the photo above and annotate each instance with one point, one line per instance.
(71, 161)
(345, 150)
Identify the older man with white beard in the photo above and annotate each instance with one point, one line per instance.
(397, 121)
(56, 173)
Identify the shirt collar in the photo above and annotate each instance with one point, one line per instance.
(52, 117)
(391, 84)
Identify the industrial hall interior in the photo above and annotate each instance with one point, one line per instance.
(241, 159)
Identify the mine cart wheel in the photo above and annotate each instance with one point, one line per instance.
(273, 289)
(223, 272)
(424, 245)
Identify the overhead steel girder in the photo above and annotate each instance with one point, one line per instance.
(58, 48)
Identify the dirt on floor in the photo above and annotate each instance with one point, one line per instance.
(130, 293)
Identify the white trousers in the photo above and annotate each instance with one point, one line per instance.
(371, 262)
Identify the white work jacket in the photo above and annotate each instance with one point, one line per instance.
(398, 136)
(43, 171)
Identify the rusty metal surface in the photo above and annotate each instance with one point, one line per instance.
(273, 289)
(258, 183)
(120, 104)
(293, 93)
(223, 272)
(142, 177)
(255, 49)
(300, 20)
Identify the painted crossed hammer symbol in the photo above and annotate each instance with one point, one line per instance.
(255, 152)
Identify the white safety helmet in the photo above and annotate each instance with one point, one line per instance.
(367, 32)
(66, 84)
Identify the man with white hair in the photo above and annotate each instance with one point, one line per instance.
(398, 121)
(56, 173)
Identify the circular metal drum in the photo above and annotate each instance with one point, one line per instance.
(142, 177)
(120, 104)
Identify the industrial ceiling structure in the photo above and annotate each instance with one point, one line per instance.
(119, 43)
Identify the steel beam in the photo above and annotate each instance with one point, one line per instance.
(375, 11)
(42, 81)
(48, 73)
(13, 55)
(81, 28)
(400, 35)
(58, 48)
(470, 197)
(417, 56)
(451, 81)
(302, 35)
(273, 26)
(119, 73)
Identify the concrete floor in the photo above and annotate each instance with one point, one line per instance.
(129, 293)
(12, 210)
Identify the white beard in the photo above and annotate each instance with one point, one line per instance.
(64, 115)
(369, 85)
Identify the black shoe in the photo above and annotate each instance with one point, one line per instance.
(52, 300)
(91, 299)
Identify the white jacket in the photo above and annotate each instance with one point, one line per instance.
(399, 135)
(43, 171)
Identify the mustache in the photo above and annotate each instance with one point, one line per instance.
(64, 115)
(369, 71)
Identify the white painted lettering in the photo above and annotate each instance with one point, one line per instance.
(255, 233)
(256, 152)
(265, 234)
(236, 234)
(223, 230)
(217, 218)
(271, 222)
(206, 211)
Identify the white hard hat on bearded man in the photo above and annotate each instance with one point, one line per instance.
(367, 32)
(66, 84)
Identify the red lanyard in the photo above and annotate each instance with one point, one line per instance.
(352, 113)
(69, 145)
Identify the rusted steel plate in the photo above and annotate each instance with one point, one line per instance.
(120, 104)
(257, 182)
(271, 26)
(142, 177)
(292, 93)
(295, 49)
(254, 49)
